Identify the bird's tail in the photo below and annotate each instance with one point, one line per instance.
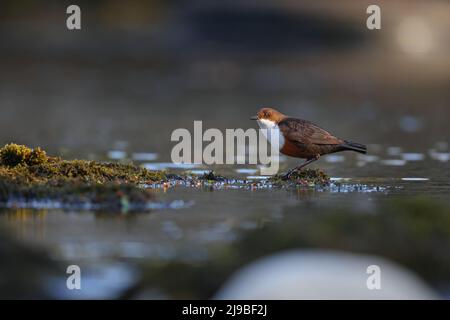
(358, 147)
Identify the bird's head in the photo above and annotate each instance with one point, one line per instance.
(269, 114)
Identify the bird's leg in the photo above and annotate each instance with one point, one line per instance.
(304, 164)
(308, 161)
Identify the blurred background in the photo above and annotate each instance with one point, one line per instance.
(137, 70)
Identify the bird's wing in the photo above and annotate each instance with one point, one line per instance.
(305, 132)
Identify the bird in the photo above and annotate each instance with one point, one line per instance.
(300, 138)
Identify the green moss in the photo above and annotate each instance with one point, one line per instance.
(308, 177)
(30, 174)
(32, 166)
(37, 156)
(13, 155)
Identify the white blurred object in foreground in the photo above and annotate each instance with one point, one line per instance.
(320, 274)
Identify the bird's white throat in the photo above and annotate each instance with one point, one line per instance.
(272, 130)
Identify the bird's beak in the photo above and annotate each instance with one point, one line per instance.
(254, 118)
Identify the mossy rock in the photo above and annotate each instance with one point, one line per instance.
(306, 177)
(26, 173)
(29, 174)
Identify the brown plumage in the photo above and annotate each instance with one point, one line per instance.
(304, 139)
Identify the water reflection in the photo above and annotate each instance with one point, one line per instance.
(28, 223)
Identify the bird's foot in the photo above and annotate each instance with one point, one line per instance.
(289, 173)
